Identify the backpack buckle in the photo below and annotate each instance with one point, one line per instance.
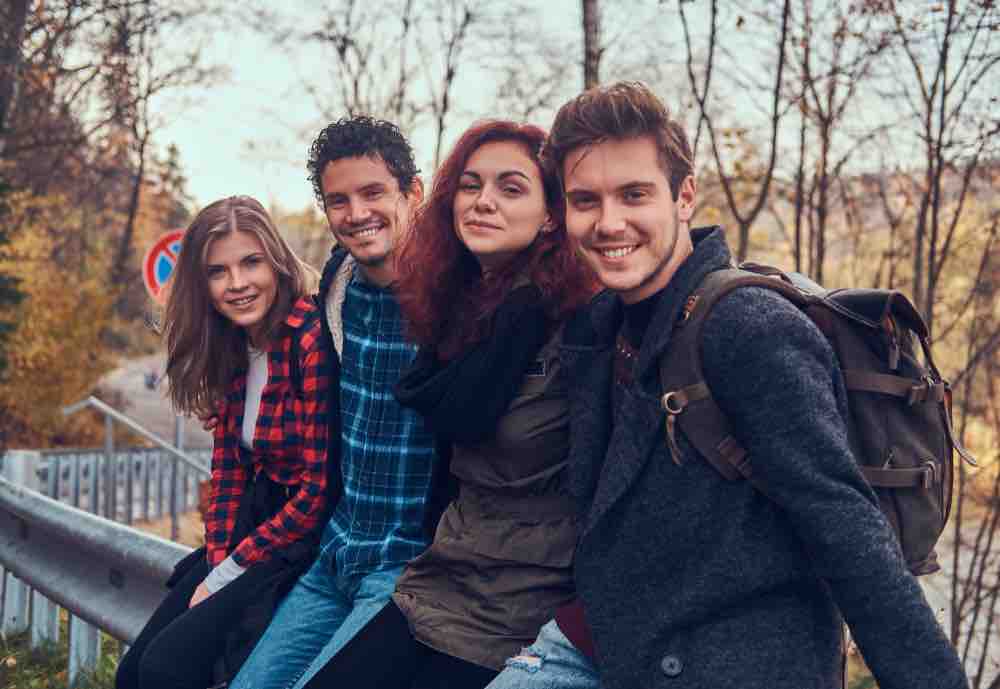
(673, 402)
(930, 475)
(927, 389)
(920, 392)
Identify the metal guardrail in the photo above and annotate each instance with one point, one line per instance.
(69, 475)
(133, 425)
(104, 573)
(178, 456)
(107, 575)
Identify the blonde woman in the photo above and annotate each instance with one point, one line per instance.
(244, 343)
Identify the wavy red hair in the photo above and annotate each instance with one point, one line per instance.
(447, 302)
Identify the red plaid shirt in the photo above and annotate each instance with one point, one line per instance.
(289, 444)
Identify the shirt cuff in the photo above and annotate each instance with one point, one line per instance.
(224, 572)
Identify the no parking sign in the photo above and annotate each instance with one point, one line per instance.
(158, 265)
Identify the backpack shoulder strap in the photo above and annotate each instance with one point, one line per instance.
(687, 400)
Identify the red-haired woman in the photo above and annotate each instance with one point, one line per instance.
(487, 277)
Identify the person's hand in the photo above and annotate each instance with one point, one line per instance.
(200, 594)
(209, 422)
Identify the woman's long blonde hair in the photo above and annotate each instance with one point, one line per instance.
(205, 350)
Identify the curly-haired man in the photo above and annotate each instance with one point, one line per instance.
(385, 469)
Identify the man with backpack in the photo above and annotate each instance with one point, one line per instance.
(712, 561)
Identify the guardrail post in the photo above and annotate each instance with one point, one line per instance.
(110, 470)
(185, 491)
(94, 465)
(160, 471)
(44, 613)
(21, 467)
(174, 526)
(84, 648)
(144, 476)
(84, 640)
(44, 620)
(130, 466)
(52, 479)
(179, 444)
(15, 605)
(75, 481)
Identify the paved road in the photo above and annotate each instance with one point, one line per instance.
(150, 407)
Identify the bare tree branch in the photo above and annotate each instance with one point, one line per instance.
(745, 220)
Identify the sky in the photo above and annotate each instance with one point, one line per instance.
(262, 105)
(249, 133)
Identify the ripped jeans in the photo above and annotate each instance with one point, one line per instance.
(552, 662)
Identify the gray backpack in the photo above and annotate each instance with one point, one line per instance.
(899, 424)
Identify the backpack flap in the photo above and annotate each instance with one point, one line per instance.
(886, 311)
(873, 306)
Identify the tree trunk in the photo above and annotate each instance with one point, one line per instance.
(591, 44)
(124, 252)
(743, 248)
(823, 204)
(800, 190)
(13, 15)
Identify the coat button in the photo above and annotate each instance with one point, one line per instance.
(671, 666)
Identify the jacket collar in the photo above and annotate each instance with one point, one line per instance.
(332, 292)
(337, 257)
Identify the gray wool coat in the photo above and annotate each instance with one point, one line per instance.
(693, 582)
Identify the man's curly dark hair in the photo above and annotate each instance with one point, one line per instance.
(361, 135)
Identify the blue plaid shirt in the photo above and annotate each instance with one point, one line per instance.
(387, 453)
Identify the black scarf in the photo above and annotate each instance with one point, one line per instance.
(463, 399)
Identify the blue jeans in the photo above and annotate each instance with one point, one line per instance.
(318, 616)
(552, 662)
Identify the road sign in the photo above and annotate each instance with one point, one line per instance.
(159, 263)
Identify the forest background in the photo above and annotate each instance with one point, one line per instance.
(854, 141)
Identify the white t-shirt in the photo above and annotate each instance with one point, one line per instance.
(256, 379)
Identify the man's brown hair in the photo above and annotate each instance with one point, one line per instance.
(623, 110)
